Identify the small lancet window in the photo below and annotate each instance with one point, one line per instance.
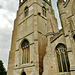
(23, 73)
(25, 52)
(26, 11)
(44, 11)
(62, 58)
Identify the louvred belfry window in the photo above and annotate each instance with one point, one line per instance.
(44, 11)
(25, 52)
(26, 11)
(62, 58)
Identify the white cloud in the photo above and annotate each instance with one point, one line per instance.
(54, 5)
(10, 5)
(6, 18)
(8, 10)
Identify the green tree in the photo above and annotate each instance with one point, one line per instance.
(2, 69)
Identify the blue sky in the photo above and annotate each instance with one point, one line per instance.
(8, 10)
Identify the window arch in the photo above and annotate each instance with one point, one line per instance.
(44, 11)
(26, 11)
(62, 58)
(23, 73)
(25, 51)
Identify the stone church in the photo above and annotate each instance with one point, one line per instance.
(38, 47)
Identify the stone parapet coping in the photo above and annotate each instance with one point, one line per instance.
(25, 66)
(65, 73)
(72, 68)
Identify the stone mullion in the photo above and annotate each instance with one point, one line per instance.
(27, 53)
(61, 61)
(65, 62)
(23, 57)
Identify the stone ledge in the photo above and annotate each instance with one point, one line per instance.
(24, 36)
(25, 66)
(72, 68)
(65, 73)
(25, 19)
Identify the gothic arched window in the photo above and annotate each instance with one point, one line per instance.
(26, 11)
(62, 58)
(23, 73)
(25, 52)
(44, 11)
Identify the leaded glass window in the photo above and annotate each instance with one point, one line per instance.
(62, 58)
(25, 52)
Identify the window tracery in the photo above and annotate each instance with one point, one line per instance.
(62, 58)
(25, 52)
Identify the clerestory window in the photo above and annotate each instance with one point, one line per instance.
(62, 58)
(25, 52)
(44, 11)
(26, 11)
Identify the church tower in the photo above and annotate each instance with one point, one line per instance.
(35, 19)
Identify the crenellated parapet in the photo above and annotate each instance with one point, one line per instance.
(21, 2)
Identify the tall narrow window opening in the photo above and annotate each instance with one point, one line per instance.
(44, 11)
(62, 58)
(25, 52)
(26, 11)
(23, 73)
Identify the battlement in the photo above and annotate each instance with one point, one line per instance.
(21, 2)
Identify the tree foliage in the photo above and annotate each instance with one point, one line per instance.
(2, 69)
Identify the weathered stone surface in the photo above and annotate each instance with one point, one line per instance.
(44, 36)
